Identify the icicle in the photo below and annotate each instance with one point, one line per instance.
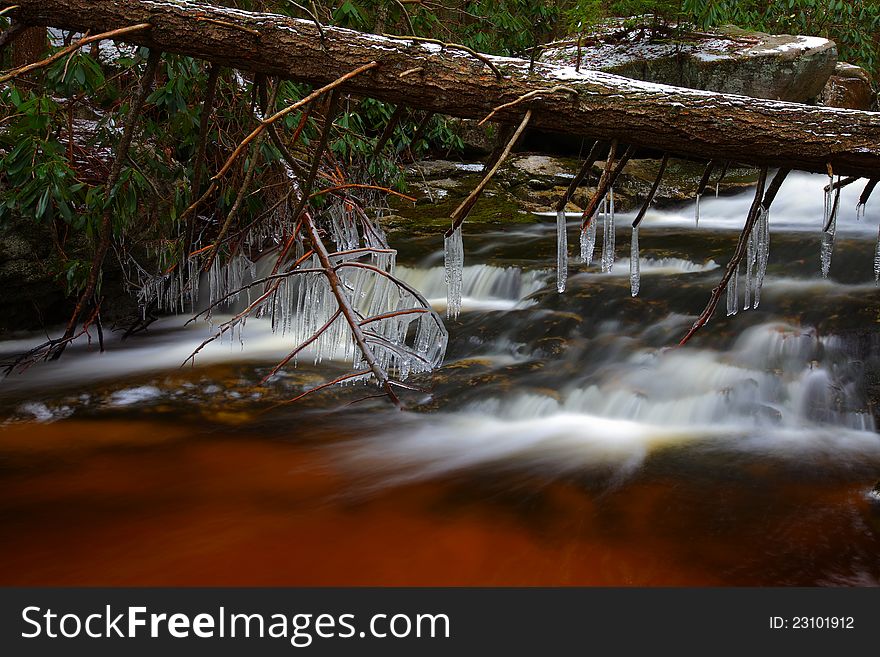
(697, 211)
(733, 294)
(613, 230)
(608, 237)
(860, 211)
(588, 242)
(827, 247)
(454, 262)
(763, 253)
(877, 260)
(829, 201)
(751, 261)
(561, 252)
(634, 277)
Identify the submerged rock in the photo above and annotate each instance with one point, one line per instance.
(728, 60)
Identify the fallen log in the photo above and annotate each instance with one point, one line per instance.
(448, 80)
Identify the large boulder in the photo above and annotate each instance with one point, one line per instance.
(729, 60)
(849, 87)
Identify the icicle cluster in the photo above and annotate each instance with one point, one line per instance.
(226, 278)
(634, 273)
(343, 229)
(453, 259)
(403, 344)
(561, 251)
(175, 292)
(757, 256)
(608, 233)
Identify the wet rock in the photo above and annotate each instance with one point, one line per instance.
(729, 60)
(541, 170)
(437, 169)
(29, 294)
(849, 87)
(477, 140)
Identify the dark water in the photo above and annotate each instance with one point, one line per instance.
(566, 441)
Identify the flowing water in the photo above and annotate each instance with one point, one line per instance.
(566, 440)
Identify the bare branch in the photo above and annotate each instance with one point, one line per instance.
(72, 48)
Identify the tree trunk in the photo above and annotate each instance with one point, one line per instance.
(29, 46)
(451, 81)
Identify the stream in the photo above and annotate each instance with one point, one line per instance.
(566, 440)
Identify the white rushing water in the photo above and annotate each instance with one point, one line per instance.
(779, 390)
(799, 207)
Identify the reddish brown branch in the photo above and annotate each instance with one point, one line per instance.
(72, 48)
(581, 175)
(649, 199)
(462, 211)
(739, 253)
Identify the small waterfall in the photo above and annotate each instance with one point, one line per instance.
(483, 287)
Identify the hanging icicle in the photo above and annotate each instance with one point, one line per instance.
(608, 234)
(588, 242)
(763, 248)
(877, 260)
(697, 211)
(634, 273)
(561, 251)
(751, 261)
(832, 205)
(453, 259)
(733, 294)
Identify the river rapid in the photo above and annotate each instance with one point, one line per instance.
(565, 440)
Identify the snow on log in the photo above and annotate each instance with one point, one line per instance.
(452, 81)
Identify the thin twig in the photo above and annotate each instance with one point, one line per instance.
(272, 119)
(653, 192)
(311, 15)
(317, 334)
(287, 110)
(845, 182)
(739, 253)
(395, 118)
(704, 181)
(71, 48)
(453, 46)
(361, 186)
(329, 384)
(581, 175)
(834, 208)
(869, 189)
(606, 182)
(461, 212)
(527, 96)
